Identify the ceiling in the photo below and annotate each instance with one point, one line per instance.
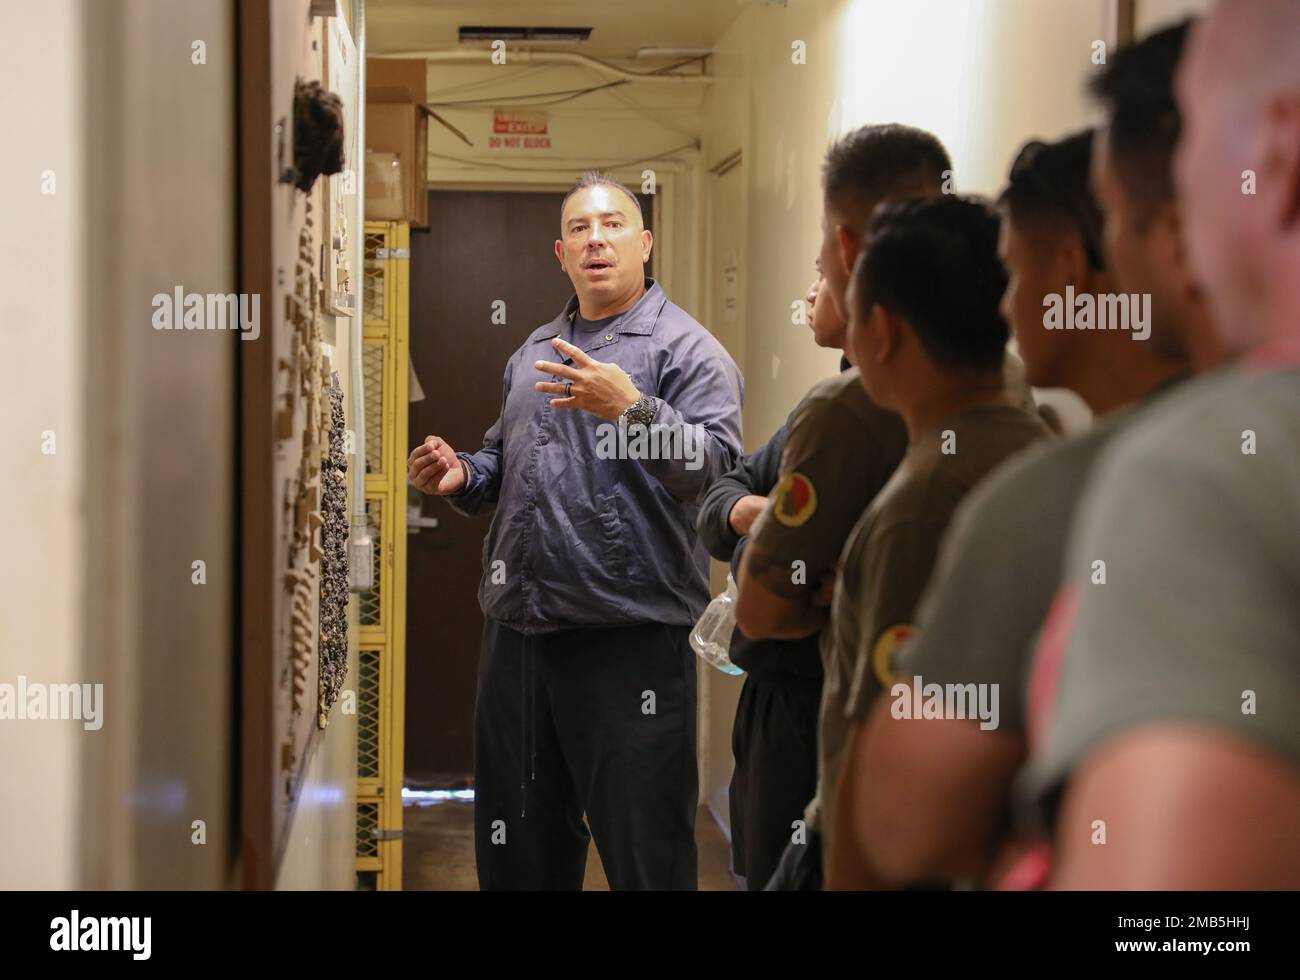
(620, 27)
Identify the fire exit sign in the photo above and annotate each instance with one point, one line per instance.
(516, 129)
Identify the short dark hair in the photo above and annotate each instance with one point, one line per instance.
(934, 262)
(1136, 89)
(1050, 185)
(880, 162)
(594, 178)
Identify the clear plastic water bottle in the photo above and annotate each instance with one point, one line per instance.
(711, 636)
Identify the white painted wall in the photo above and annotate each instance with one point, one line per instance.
(42, 322)
(101, 534)
(1155, 14)
(156, 451)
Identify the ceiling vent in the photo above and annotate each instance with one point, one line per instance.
(526, 35)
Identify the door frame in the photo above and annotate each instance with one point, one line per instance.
(665, 206)
(717, 694)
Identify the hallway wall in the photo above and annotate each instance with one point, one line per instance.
(157, 449)
(43, 323)
(1155, 14)
(1021, 66)
(138, 135)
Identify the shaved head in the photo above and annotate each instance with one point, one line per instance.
(1237, 167)
(1254, 43)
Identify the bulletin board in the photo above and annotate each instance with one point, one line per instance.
(338, 278)
(291, 419)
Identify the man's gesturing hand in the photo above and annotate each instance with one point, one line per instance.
(603, 389)
(434, 468)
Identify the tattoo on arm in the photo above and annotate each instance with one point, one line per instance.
(772, 573)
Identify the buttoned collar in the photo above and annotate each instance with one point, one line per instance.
(640, 319)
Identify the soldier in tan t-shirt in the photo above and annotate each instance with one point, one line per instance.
(934, 355)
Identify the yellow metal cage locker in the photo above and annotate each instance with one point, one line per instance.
(381, 667)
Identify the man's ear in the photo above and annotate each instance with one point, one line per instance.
(559, 253)
(1170, 251)
(647, 243)
(1072, 255)
(848, 242)
(891, 334)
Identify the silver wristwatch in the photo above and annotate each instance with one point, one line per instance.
(640, 412)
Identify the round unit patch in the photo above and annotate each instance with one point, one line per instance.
(882, 655)
(796, 500)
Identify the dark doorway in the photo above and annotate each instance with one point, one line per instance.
(481, 246)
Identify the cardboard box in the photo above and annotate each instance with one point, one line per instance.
(398, 134)
(397, 140)
(397, 80)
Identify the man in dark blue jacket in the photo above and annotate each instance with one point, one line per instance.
(592, 572)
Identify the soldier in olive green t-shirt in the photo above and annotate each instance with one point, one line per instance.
(840, 450)
(888, 560)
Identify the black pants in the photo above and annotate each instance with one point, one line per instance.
(597, 721)
(774, 742)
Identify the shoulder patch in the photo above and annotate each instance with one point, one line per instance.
(796, 500)
(882, 654)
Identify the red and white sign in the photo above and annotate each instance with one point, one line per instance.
(519, 129)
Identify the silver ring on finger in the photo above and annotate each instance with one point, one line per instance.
(568, 389)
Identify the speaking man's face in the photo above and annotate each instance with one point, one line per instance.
(603, 247)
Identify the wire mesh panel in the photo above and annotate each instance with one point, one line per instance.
(380, 667)
(372, 369)
(375, 281)
(371, 602)
(367, 826)
(368, 714)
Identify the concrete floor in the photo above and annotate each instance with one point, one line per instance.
(438, 851)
